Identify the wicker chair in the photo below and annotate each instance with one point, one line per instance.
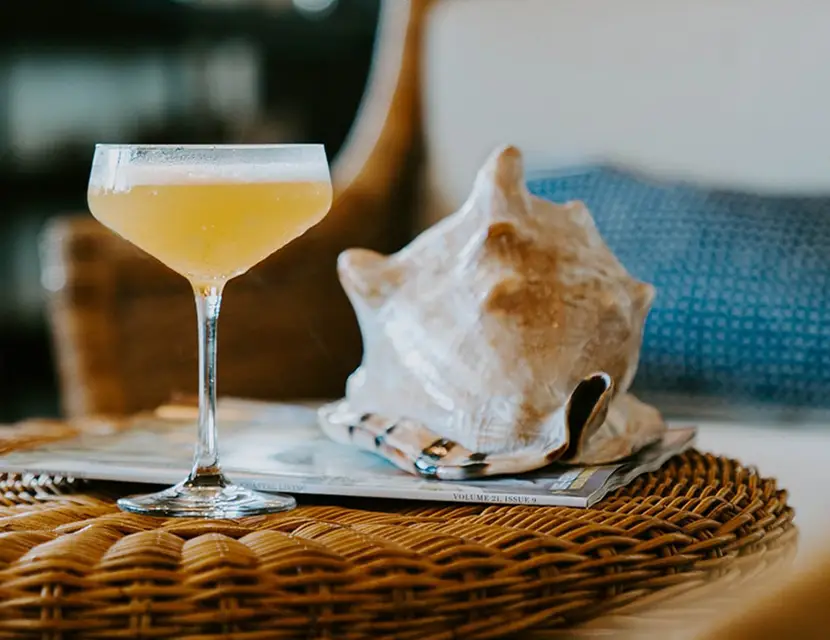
(123, 326)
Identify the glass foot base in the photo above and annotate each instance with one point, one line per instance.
(207, 497)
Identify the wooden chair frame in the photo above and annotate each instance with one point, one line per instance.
(119, 319)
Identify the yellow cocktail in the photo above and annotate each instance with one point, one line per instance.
(212, 231)
(209, 213)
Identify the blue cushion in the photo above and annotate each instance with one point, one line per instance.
(743, 283)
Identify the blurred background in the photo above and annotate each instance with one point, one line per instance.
(148, 71)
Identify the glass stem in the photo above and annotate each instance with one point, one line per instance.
(206, 460)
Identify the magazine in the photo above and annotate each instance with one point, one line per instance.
(279, 447)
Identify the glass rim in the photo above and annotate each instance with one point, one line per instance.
(107, 146)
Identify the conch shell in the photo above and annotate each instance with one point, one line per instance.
(500, 340)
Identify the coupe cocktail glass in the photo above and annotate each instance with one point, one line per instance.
(210, 213)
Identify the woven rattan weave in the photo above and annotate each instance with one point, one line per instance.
(73, 566)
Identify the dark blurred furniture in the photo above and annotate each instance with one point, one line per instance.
(72, 74)
(124, 326)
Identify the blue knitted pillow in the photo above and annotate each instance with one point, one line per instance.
(743, 283)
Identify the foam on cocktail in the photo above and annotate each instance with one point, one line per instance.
(182, 174)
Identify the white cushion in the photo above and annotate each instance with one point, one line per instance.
(727, 92)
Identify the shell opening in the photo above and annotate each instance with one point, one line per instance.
(587, 408)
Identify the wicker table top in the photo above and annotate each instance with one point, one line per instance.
(73, 566)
